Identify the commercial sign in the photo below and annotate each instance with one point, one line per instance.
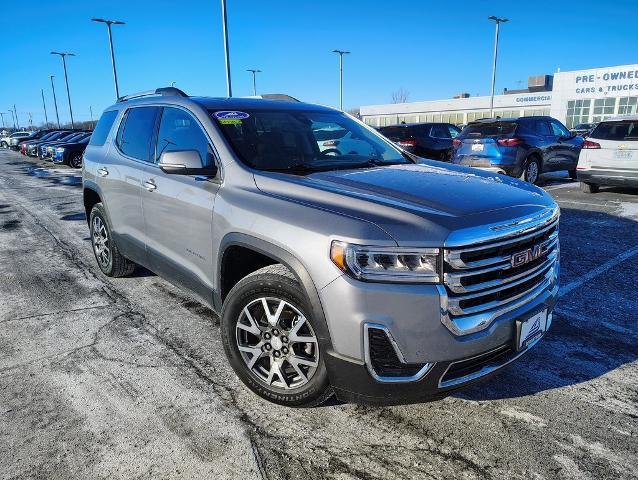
(608, 81)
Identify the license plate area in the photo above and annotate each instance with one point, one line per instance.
(530, 329)
(623, 154)
(477, 147)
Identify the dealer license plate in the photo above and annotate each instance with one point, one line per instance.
(477, 147)
(532, 329)
(623, 154)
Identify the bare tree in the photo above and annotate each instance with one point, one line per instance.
(400, 96)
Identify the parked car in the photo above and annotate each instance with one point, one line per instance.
(522, 147)
(339, 141)
(6, 141)
(37, 135)
(47, 149)
(31, 148)
(327, 270)
(610, 155)
(71, 153)
(583, 129)
(427, 140)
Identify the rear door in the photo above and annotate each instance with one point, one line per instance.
(120, 178)
(178, 209)
(618, 150)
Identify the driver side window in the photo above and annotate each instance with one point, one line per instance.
(180, 131)
(558, 129)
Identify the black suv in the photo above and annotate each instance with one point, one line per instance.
(427, 140)
(524, 146)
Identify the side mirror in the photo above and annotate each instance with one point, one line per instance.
(185, 162)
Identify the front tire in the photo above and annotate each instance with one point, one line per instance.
(76, 160)
(532, 171)
(589, 187)
(4, 145)
(270, 340)
(109, 259)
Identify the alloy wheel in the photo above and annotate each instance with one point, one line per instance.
(101, 245)
(76, 160)
(277, 343)
(532, 172)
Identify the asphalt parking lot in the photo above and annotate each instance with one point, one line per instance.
(126, 378)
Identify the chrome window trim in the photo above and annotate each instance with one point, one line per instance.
(368, 361)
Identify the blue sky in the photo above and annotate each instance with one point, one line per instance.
(431, 49)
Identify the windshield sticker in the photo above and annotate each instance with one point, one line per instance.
(231, 115)
(229, 121)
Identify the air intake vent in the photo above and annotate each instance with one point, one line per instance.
(383, 357)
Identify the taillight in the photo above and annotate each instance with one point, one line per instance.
(331, 143)
(590, 144)
(509, 142)
(456, 142)
(407, 143)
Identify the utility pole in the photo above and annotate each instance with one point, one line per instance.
(229, 88)
(15, 112)
(341, 54)
(108, 26)
(2, 114)
(66, 79)
(497, 21)
(30, 120)
(91, 112)
(44, 105)
(254, 72)
(55, 101)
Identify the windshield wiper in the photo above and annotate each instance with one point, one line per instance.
(295, 168)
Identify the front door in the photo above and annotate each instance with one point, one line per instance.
(178, 209)
(567, 146)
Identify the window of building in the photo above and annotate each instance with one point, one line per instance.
(535, 112)
(603, 108)
(578, 111)
(627, 105)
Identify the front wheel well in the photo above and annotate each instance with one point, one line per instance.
(237, 262)
(91, 197)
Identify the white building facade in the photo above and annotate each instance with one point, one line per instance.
(581, 96)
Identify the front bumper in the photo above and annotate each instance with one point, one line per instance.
(611, 177)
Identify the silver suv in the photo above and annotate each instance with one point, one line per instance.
(370, 273)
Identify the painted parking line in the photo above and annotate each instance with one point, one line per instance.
(608, 204)
(598, 271)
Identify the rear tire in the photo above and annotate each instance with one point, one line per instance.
(4, 145)
(589, 187)
(532, 171)
(275, 352)
(109, 259)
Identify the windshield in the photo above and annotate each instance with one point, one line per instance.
(303, 140)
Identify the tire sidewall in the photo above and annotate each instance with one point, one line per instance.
(98, 211)
(538, 172)
(247, 290)
(75, 155)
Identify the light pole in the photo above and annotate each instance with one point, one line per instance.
(2, 114)
(229, 88)
(497, 21)
(15, 112)
(55, 101)
(108, 26)
(66, 79)
(341, 54)
(13, 118)
(44, 105)
(254, 72)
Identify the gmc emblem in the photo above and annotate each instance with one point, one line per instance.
(526, 256)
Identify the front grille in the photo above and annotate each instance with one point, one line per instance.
(471, 366)
(383, 358)
(482, 278)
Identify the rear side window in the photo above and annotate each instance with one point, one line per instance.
(136, 131)
(395, 132)
(103, 128)
(619, 131)
(493, 129)
(440, 131)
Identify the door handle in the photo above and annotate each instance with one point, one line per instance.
(149, 185)
(102, 171)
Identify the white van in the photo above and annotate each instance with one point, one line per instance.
(610, 155)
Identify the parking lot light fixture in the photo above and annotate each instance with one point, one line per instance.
(2, 114)
(55, 101)
(497, 21)
(108, 24)
(341, 54)
(15, 113)
(44, 105)
(229, 87)
(254, 72)
(66, 80)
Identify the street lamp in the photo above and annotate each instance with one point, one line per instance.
(108, 26)
(229, 88)
(55, 101)
(341, 54)
(254, 72)
(2, 114)
(66, 79)
(15, 113)
(44, 105)
(497, 21)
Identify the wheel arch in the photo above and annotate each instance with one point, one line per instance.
(91, 195)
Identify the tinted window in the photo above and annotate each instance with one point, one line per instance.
(454, 131)
(619, 131)
(440, 131)
(395, 132)
(324, 132)
(492, 129)
(180, 131)
(136, 131)
(559, 130)
(103, 128)
(541, 127)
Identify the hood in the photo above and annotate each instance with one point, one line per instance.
(405, 200)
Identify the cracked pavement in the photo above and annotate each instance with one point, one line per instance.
(126, 378)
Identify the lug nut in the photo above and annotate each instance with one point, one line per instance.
(284, 351)
(284, 339)
(275, 332)
(268, 347)
(276, 353)
(267, 336)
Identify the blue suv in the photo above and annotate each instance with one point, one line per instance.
(520, 147)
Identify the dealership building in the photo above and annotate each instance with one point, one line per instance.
(574, 97)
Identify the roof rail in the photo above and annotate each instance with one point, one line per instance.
(164, 91)
(278, 96)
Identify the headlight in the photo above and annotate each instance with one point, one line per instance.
(387, 264)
